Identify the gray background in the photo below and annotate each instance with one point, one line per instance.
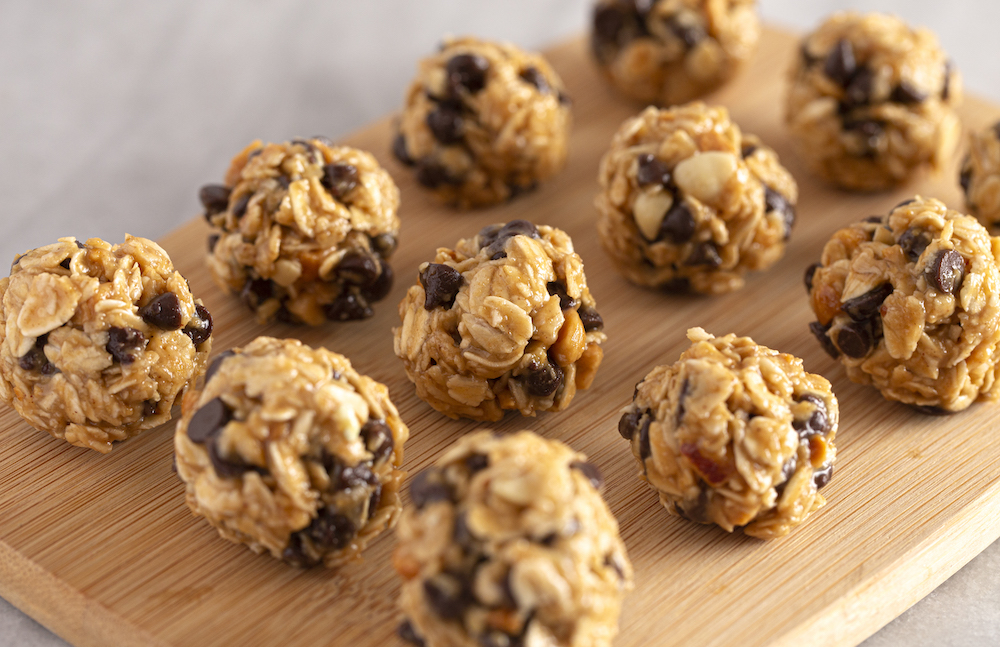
(112, 114)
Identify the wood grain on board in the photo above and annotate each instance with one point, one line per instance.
(103, 550)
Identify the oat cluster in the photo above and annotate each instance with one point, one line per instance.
(980, 176)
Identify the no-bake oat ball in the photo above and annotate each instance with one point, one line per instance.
(688, 202)
(97, 341)
(509, 542)
(504, 321)
(302, 231)
(910, 305)
(980, 177)
(671, 51)
(871, 101)
(483, 122)
(734, 434)
(289, 450)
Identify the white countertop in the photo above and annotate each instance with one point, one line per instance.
(113, 114)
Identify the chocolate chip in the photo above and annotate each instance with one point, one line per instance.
(558, 288)
(629, 422)
(903, 204)
(494, 238)
(378, 439)
(946, 87)
(965, 177)
(461, 533)
(608, 25)
(867, 305)
(467, 71)
(822, 477)
(787, 470)
(358, 268)
(345, 477)
(256, 291)
(774, 201)
(331, 530)
(240, 208)
(384, 244)
(870, 131)
(946, 272)
(697, 511)
(818, 421)
(432, 175)
(399, 150)
(339, 179)
(213, 240)
(690, 35)
(907, 94)
(446, 125)
(446, 596)
(747, 150)
(874, 220)
(678, 224)
(819, 331)
(644, 449)
(810, 273)
(914, 241)
(534, 77)
(382, 286)
(704, 254)
(215, 198)
(650, 171)
(34, 360)
(208, 421)
(294, 554)
(840, 64)
(216, 363)
(859, 90)
(855, 339)
(348, 306)
(590, 319)
(590, 471)
(164, 311)
(228, 468)
(542, 380)
(374, 500)
(441, 285)
(199, 329)
(64, 263)
(149, 408)
(428, 487)
(283, 182)
(124, 344)
(406, 632)
(476, 462)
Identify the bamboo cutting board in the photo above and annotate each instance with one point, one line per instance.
(103, 551)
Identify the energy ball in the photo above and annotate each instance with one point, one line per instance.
(289, 450)
(980, 177)
(871, 101)
(303, 231)
(97, 341)
(734, 434)
(504, 321)
(508, 542)
(483, 122)
(909, 304)
(688, 202)
(668, 52)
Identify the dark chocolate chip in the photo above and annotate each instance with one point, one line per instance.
(819, 331)
(914, 241)
(704, 254)
(406, 632)
(446, 125)
(867, 305)
(590, 319)
(495, 240)
(787, 470)
(822, 476)
(558, 288)
(543, 380)
(283, 182)
(903, 204)
(871, 132)
(534, 77)
(476, 462)
(650, 171)
(381, 287)
(810, 273)
(907, 94)
(339, 179)
(164, 311)
(384, 244)
(946, 272)
(855, 339)
(378, 439)
(774, 201)
(240, 208)
(256, 291)
(358, 268)
(399, 150)
(590, 471)
(208, 421)
(678, 224)
(644, 450)
(427, 487)
(697, 511)
(681, 401)
(199, 329)
(294, 554)
(149, 408)
(215, 198)
(965, 177)
(874, 220)
(629, 422)
(348, 306)
(747, 150)
(818, 421)
(216, 363)
(690, 35)
(468, 72)
(344, 477)
(35, 360)
(840, 64)
(446, 596)
(124, 344)
(331, 530)
(80, 245)
(228, 468)
(441, 285)
(859, 90)
(432, 175)
(64, 263)
(213, 240)
(609, 24)
(461, 533)
(374, 500)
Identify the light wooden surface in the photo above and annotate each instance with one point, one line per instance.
(103, 551)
